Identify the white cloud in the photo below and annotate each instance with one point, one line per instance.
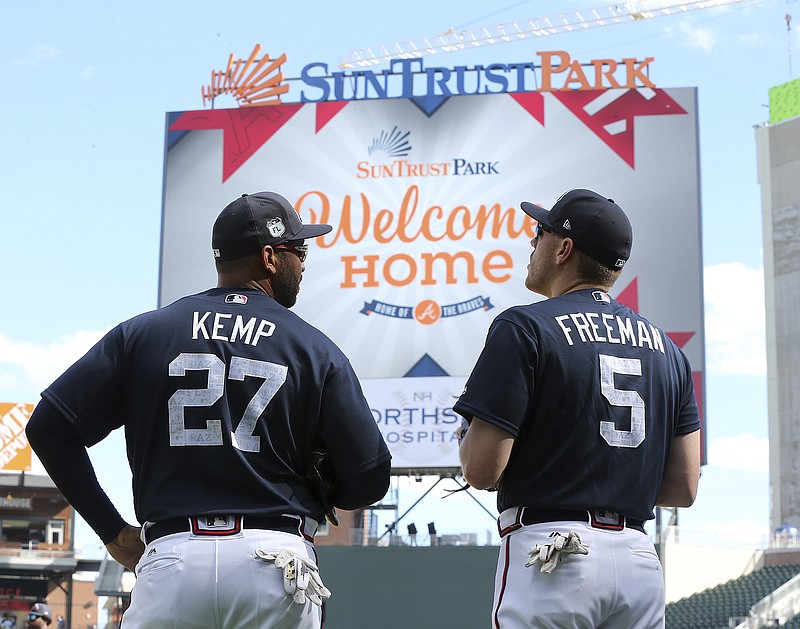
(88, 72)
(735, 327)
(40, 53)
(743, 452)
(756, 40)
(726, 532)
(8, 380)
(694, 36)
(39, 365)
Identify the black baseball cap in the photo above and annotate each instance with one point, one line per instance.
(255, 220)
(40, 610)
(598, 226)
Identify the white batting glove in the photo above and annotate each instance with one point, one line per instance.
(550, 555)
(301, 578)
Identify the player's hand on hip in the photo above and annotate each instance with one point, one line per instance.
(127, 547)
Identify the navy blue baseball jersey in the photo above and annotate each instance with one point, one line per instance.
(593, 394)
(222, 394)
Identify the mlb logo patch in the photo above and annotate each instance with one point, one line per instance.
(610, 520)
(235, 298)
(275, 227)
(211, 525)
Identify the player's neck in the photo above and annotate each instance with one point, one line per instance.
(232, 281)
(564, 287)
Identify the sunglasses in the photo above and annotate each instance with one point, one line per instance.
(301, 251)
(539, 229)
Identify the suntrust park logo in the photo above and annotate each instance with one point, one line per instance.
(388, 151)
(258, 80)
(393, 143)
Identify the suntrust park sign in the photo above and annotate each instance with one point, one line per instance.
(260, 82)
(408, 78)
(420, 171)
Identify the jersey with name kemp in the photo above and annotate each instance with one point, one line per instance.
(593, 394)
(222, 395)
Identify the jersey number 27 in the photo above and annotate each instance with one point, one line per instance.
(242, 437)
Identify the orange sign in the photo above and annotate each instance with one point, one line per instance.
(252, 82)
(15, 452)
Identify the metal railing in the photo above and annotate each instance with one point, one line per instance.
(32, 549)
(358, 537)
(782, 605)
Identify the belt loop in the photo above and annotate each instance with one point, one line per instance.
(306, 527)
(143, 532)
(510, 520)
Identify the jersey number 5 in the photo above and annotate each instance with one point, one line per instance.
(274, 376)
(610, 365)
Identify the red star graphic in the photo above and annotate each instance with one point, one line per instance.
(629, 296)
(327, 110)
(610, 115)
(533, 102)
(245, 130)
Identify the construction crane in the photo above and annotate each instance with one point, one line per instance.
(455, 40)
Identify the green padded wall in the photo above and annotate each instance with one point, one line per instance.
(438, 587)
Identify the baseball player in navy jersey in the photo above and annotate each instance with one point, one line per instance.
(582, 415)
(222, 396)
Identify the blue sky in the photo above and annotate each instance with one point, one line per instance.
(82, 128)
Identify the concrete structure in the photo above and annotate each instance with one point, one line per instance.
(778, 145)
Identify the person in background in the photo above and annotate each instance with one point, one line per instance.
(39, 616)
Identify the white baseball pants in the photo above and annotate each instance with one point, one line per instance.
(618, 585)
(191, 582)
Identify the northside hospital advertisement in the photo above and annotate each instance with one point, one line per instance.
(423, 192)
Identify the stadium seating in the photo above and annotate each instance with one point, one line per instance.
(713, 608)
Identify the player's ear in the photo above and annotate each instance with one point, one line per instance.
(269, 258)
(565, 249)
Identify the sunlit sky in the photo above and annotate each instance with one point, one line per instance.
(85, 95)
